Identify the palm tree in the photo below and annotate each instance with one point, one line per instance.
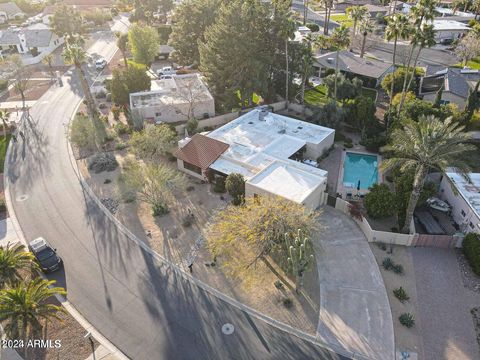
(306, 64)
(397, 28)
(13, 260)
(48, 60)
(357, 14)
(476, 8)
(328, 4)
(366, 27)
(423, 37)
(425, 145)
(422, 12)
(340, 40)
(122, 44)
(23, 306)
(305, 11)
(73, 54)
(4, 115)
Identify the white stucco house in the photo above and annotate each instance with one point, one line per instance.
(171, 100)
(271, 151)
(37, 40)
(447, 31)
(464, 197)
(10, 11)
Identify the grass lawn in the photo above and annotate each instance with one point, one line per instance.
(474, 64)
(371, 93)
(316, 96)
(3, 150)
(342, 19)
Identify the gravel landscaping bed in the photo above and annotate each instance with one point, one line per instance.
(469, 279)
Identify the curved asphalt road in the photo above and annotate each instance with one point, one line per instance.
(141, 305)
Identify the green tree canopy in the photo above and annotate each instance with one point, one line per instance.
(13, 260)
(127, 81)
(153, 141)
(235, 185)
(380, 202)
(346, 88)
(144, 43)
(191, 19)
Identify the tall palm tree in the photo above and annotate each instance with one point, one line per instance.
(397, 28)
(420, 13)
(476, 8)
(425, 145)
(366, 27)
(4, 115)
(340, 40)
(122, 44)
(327, 4)
(306, 63)
(13, 260)
(73, 54)
(423, 37)
(357, 14)
(24, 306)
(305, 11)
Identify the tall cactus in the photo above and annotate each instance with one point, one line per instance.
(299, 257)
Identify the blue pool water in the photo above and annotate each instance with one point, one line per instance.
(360, 167)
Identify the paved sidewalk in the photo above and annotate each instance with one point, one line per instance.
(444, 306)
(354, 309)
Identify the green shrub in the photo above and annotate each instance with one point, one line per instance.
(120, 146)
(401, 294)
(219, 185)
(3, 84)
(102, 162)
(380, 202)
(388, 263)
(287, 302)
(3, 204)
(339, 136)
(278, 284)
(82, 132)
(471, 249)
(121, 128)
(407, 319)
(159, 210)
(397, 269)
(107, 181)
(348, 145)
(313, 27)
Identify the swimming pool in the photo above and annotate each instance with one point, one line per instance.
(360, 167)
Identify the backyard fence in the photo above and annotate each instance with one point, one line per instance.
(414, 239)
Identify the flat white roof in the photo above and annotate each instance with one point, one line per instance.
(260, 146)
(251, 131)
(470, 191)
(286, 181)
(445, 25)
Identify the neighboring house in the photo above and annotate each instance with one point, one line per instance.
(268, 150)
(464, 199)
(457, 84)
(47, 14)
(370, 71)
(341, 5)
(10, 11)
(38, 40)
(447, 31)
(171, 100)
(375, 10)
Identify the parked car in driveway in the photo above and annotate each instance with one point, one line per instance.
(45, 254)
(100, 64)
(167, 70)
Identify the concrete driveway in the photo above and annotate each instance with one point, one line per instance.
(354, 309)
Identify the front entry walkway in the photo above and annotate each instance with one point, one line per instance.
(354, 309)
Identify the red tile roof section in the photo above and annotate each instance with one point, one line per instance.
(201, 151)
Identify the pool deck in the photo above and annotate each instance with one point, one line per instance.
(343, 190)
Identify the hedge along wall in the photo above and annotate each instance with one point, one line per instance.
(471, 249)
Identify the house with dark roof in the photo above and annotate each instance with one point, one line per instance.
(456, 83)
(370, 71)
(37, 40)
(10, 11)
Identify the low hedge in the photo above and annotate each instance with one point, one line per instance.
(471, 249)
